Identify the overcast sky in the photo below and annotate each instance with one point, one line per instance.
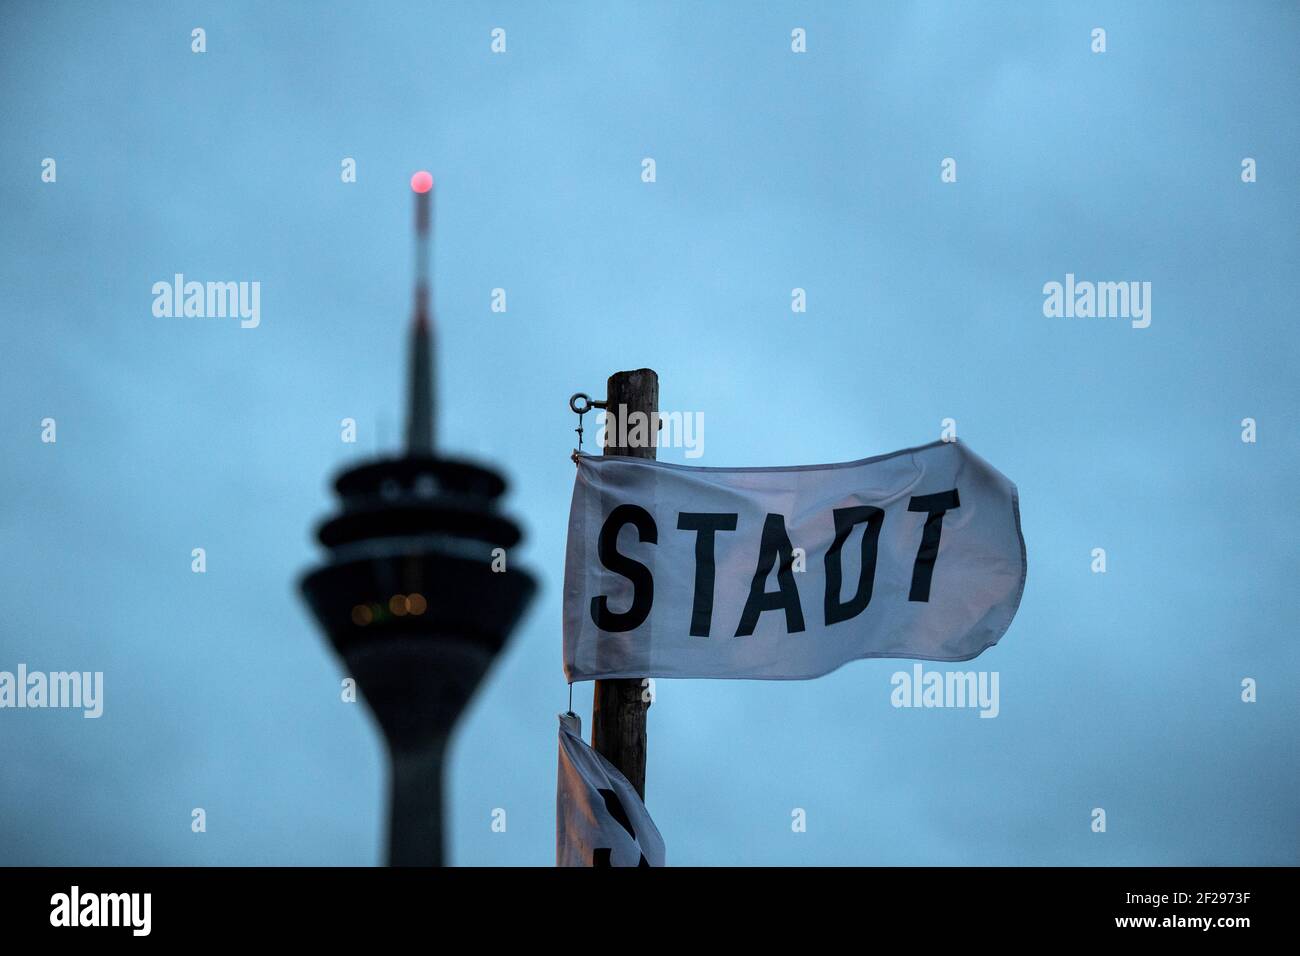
(775, 170)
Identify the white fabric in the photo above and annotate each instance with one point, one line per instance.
(599, 819)
(962, 605)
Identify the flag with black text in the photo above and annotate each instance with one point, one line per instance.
(786, 573)
(599, 818)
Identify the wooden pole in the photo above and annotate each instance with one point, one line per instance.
(618, 710)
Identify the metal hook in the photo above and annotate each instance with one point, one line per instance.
(573, 403)
(588, 405)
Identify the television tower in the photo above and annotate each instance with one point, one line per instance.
(415, 595)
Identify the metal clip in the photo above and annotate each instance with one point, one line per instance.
(587, 405)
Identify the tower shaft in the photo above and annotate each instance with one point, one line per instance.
(419, 414)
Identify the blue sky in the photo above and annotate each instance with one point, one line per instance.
(774, 171)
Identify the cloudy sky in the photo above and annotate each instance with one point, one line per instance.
(775, 170)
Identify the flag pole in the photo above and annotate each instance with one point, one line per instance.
(618, 708)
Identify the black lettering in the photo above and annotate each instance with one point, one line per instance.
(934, 506)
(705, 524)
(643, 582)
(845, 520)
(776, 542)
(600, 856)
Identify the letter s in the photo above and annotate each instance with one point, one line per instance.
(643, 582)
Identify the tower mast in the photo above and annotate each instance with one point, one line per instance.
(419, 411)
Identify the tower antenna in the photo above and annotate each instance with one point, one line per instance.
(419, 412)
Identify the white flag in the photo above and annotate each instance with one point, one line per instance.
(787, 573)
(599, 818)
